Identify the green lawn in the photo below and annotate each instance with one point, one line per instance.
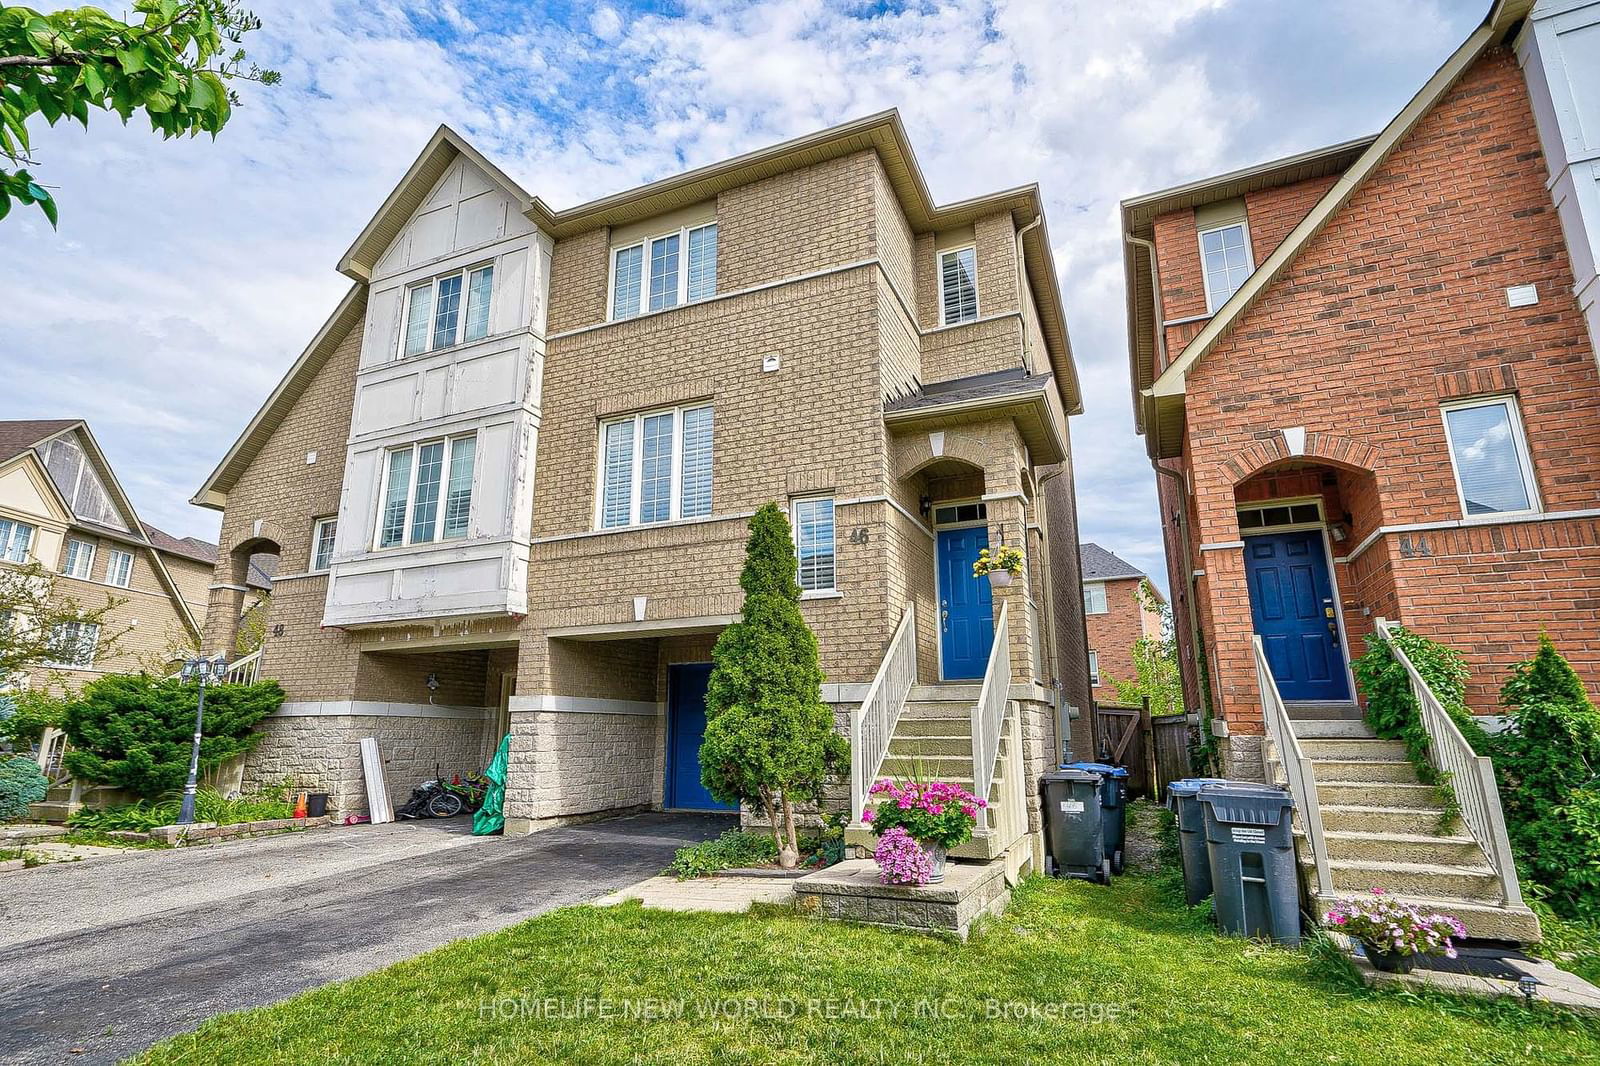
(558, 989)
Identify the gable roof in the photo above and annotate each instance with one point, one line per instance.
(882, 132)
(20, 436)
(351, 308)
(1101, 565)
(1158, 405)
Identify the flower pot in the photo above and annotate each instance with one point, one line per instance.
(937, 853)
(1388, 961)
(999, 578)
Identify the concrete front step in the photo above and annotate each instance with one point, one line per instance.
(945, 691)
(1477, 883)
(1333, 791)
(1373, 771)
(1346, 712)
(909, 745)
(928, 726)
(1483, 921)
(926, 767)
(56, 811)
(1331, 728)
(1424, 848)
(1349, 748)
(1357, 818)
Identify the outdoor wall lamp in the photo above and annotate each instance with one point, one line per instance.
(433, 682)
(925, 504)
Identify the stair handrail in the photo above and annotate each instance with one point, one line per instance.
(872, 723)
(1471, 775)
(989, 713)
(1296, 767)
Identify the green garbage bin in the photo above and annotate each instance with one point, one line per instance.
(1183, 799)
(1113, 806)
(1074, 833)
(1250, 849)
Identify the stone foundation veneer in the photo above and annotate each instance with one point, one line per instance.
(317, 746)
(573, 759)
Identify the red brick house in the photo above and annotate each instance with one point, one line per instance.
(1368, 391)
(1113, 616)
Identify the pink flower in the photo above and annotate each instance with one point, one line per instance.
(868, 815)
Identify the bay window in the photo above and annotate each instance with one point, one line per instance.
(427, 493)
(666, 271)
(446, 310)
(655, 467)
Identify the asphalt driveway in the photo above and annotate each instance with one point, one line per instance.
(102, 959)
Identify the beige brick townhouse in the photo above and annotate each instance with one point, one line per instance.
(509, 480)
(62, 508)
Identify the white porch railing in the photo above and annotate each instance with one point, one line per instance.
(989, 713)
(1298, 769)
(872, 724)
(1471, 776)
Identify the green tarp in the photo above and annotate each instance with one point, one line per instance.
(491, 817)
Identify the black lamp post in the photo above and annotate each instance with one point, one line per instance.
(204, 671)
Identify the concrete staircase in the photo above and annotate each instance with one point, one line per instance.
(933, 741)
(1385, 829)
(58, 805)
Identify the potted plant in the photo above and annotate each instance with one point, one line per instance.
(917, 824)
(1393, 933)
(1001, 566)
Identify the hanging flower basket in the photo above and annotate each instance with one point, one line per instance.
(1001, 565)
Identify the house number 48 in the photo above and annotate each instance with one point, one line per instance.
(859, 535)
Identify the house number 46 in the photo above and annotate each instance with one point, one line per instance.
(859, 535)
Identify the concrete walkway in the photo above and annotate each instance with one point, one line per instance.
(730, 895)
(112, 955)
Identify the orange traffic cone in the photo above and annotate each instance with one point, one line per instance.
(300, 805)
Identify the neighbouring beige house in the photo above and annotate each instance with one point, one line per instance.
(510, 478)
(62, 508)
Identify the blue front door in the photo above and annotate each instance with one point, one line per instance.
(966, 617)
(1291, 602)
(686, 727)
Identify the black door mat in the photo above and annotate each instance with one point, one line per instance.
(1501, 967)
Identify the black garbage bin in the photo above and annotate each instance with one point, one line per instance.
(1113, 805)
(1183, 798)
(1072, 822)
(1250, 849)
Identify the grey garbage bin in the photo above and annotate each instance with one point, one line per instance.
(1073, 829)
(1250, 849)
(1183, 798)
(1113, 806)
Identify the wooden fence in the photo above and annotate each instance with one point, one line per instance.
(1154, 750)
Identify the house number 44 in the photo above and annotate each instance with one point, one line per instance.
(859, 535)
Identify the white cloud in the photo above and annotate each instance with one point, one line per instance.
(187, 275)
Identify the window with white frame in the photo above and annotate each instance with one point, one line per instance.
(661, 272)
(1225, 258)
(1094, 668)
(814, 543)
(427, 492)
(655, 467)
(119, 568)
(323, 530)
(958, 286)
(1094, 598)
(72, 644)
(446, 310)
(79, 560)
(1490, 455)
(15, 540)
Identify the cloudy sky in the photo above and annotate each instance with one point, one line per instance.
(186, 276)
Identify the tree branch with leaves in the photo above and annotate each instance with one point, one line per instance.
(1155, 661)
(38, 627)
(175, 65)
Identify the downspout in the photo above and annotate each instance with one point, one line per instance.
(1022, 287)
